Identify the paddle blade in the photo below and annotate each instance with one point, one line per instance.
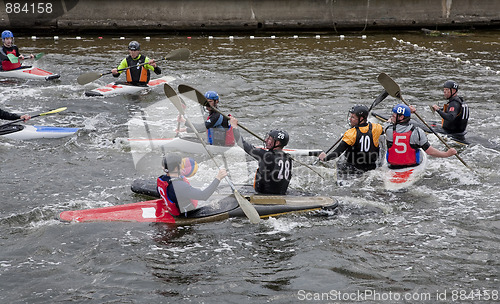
(172, 96)
(379, 99)
(38, 56)
(389, 85)
(88, 78)
(13, 58)
(192, 94)
(247, 208)
(179, 54)
(53, 111)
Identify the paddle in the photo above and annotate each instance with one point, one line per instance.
(200, 98)
(41, 114)
(377, 100)
(14, 59)
(178, 54)
(245, 205)
(393, 89)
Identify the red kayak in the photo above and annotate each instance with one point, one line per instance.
(221, 207)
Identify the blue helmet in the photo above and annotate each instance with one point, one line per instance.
(402, 109)
(212, 95)
(7, 34)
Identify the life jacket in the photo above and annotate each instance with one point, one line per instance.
(219, 135)
(7, 65)
(166, 191)
(363, 154)
(138, 74)
(459, 124)
(401, 153)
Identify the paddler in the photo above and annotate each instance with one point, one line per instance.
(455, 113)
(218, 127)
(9, 48)
(275, 166)
(405, 139)
(136, 75)
(360, 144)
(178, 195)
(12, 116)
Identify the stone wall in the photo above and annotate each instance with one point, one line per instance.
(246, 15)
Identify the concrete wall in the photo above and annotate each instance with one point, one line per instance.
(246, 15)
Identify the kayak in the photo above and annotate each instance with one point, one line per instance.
(26, 132)
(217, 208)
(116, 88)
(436, 127)
(402, 178)
(192, 145)
(29, 72)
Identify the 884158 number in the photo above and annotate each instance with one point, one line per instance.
(33, 8)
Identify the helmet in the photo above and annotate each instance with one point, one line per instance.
(7, 34)
(134, 46)
(450, 84)
(359, 110)
(280, 135)
(402, 109)
(172, 161)
(212, 95)
(188, 167)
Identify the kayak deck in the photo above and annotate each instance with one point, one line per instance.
(29, 72)
(402, 178)
(27, 132)
(126, 88)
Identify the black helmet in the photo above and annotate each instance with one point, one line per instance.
(450, 84)
(134, 46)
(360, 111)
(172, 161)
(280, 135)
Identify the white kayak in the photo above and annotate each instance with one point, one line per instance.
(192, 145)
(398, 179)
(27, 132)
(29, 72)
(116, 88)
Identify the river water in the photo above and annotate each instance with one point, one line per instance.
(435, 243)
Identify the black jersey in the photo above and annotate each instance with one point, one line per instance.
(455, 115)
(275, 169)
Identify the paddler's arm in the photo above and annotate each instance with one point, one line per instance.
(123, 65)
(437, 153)
(186, 192)
(152, 66)
(450, 115)
(3, 56)
(12, 116)
(348, 139)
(249, 148)
(335, 153)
